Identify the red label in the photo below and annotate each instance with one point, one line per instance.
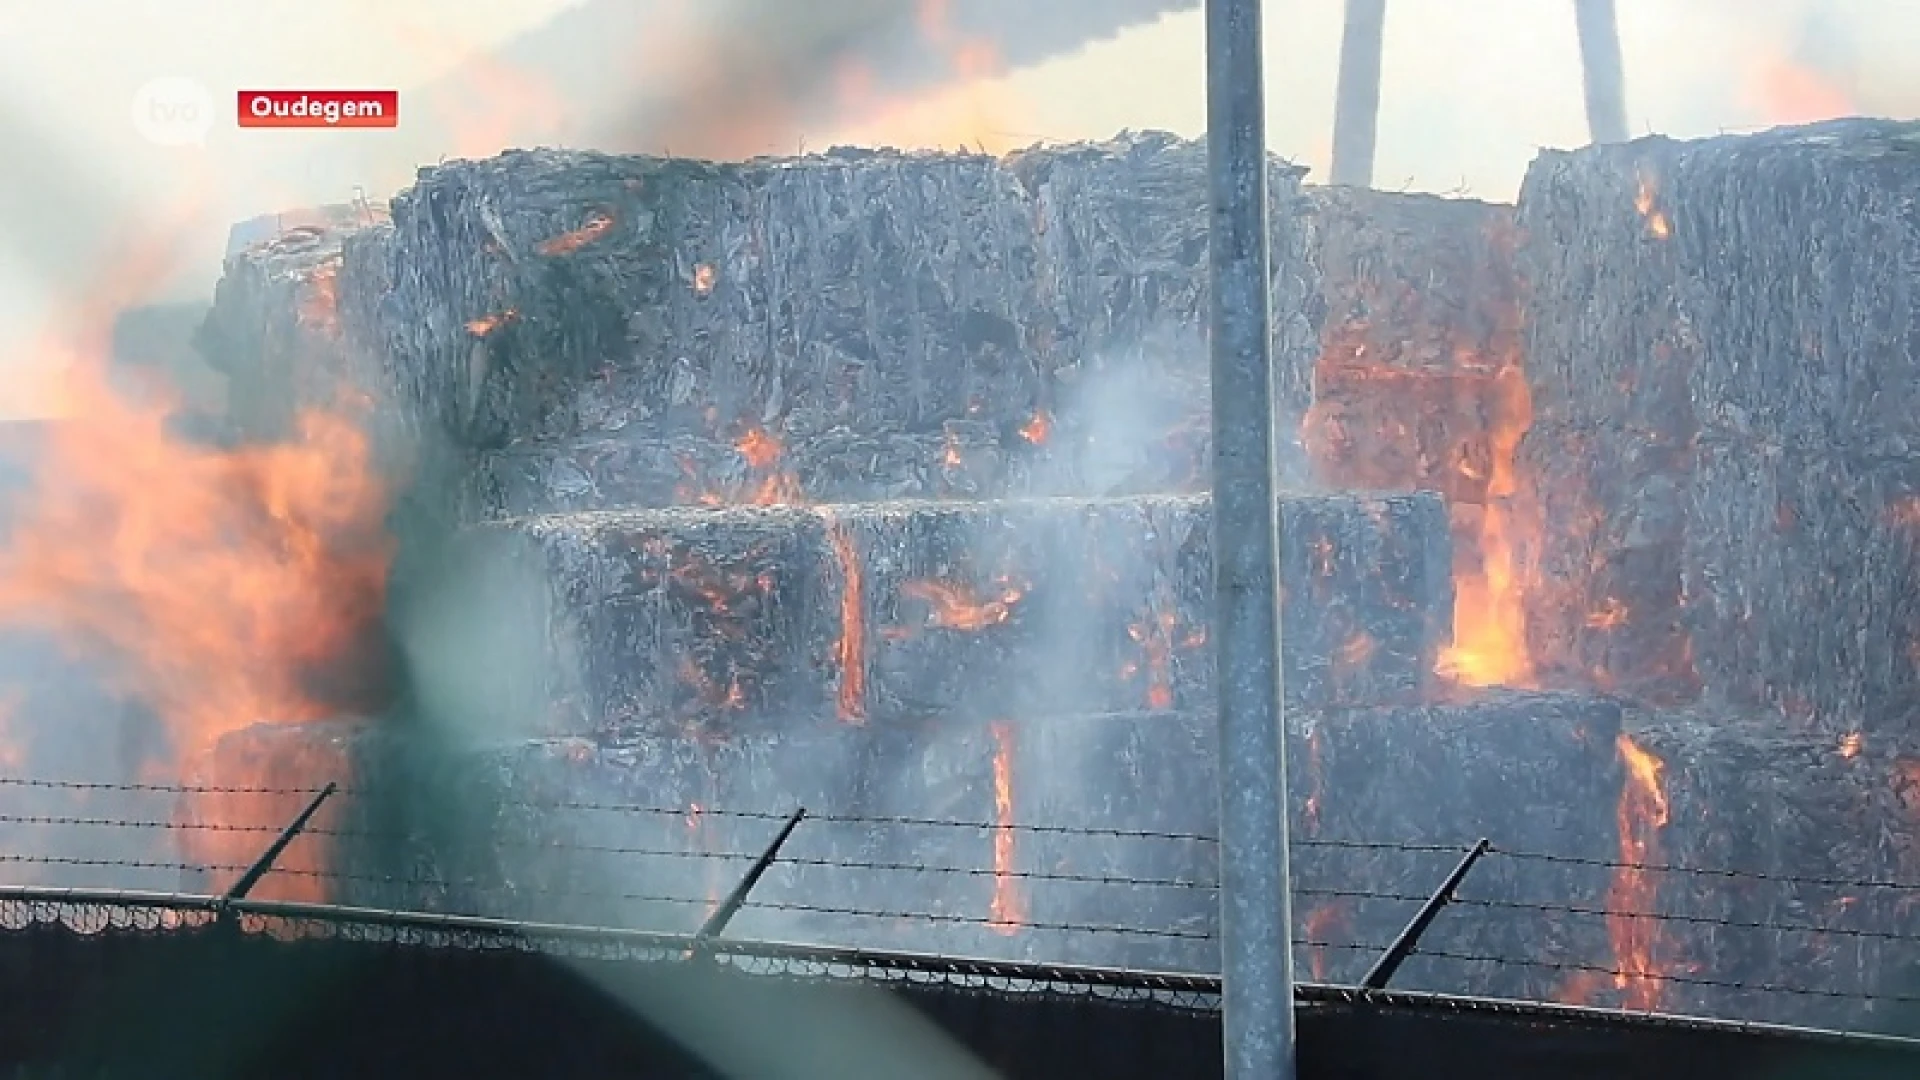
(319, 108)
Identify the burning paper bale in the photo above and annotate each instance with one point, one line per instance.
(1826, 819)
(724, 620)
(1530, 772)
(276, 331)
(1806, 339)
(1121, 233)
(1422, 316)
(1608, 358)
(1739, 431)
(579, 293)
(1803, 583)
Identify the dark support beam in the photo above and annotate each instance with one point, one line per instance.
(1356, 103)
(1602, 71)
(1377, 977)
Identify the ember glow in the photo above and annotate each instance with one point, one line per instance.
(1644, 201)
(954, 606)
(597, 225)
(1008, 907)
(1789, 92)
(1637, 941)
(487, 324)
(851, 648)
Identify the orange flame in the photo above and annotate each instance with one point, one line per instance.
(955, 607)
(1489, 622)
(220, 583)
(1641, 815)
(851, 649)
(1038, 428)
(1644, 203)
(1009, 907)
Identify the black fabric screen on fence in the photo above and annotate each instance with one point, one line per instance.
(276, 1001)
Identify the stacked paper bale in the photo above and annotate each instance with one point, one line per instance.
(1802, 571)
(1608, 452)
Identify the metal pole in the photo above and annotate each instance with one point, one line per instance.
(1601, 70)
(1256, 955)
(1356, 103)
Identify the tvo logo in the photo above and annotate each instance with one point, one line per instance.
(173, 112)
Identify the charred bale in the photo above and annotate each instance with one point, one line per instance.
(1121, 237)
(275, 331)
(1610, 352)
(1421, 319)
(1608, 342)
(725, 620)
(1803, 582)
(1388, 799)
(965, 460)
(547, 295)
(1608, 513)
(1778, 839)
(1800, 246)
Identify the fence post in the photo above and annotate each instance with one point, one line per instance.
(722, 915)
(1397, 953)
(264, 863)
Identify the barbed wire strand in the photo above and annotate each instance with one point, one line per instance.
(1699, 871)
(855, 819)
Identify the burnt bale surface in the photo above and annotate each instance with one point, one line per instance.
(710, 619)
(1389, 799)
(1794, 848)
(1799, 247)
(1419, 318)
(602, 332)
(1730, 324)
(1802, 579)
(543, 295)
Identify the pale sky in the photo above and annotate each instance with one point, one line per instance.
(1472, 89)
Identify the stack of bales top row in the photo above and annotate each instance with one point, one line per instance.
(610, 332)
(1723, 335)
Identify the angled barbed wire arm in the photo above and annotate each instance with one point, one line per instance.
(262, 865)
(717, 922)
(1383, 969)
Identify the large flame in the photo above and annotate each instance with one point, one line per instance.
(1489, 620)
(217, 584)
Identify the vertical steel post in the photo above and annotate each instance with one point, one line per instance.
(1356, 102)
(1602, 72)
(1256, 955)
